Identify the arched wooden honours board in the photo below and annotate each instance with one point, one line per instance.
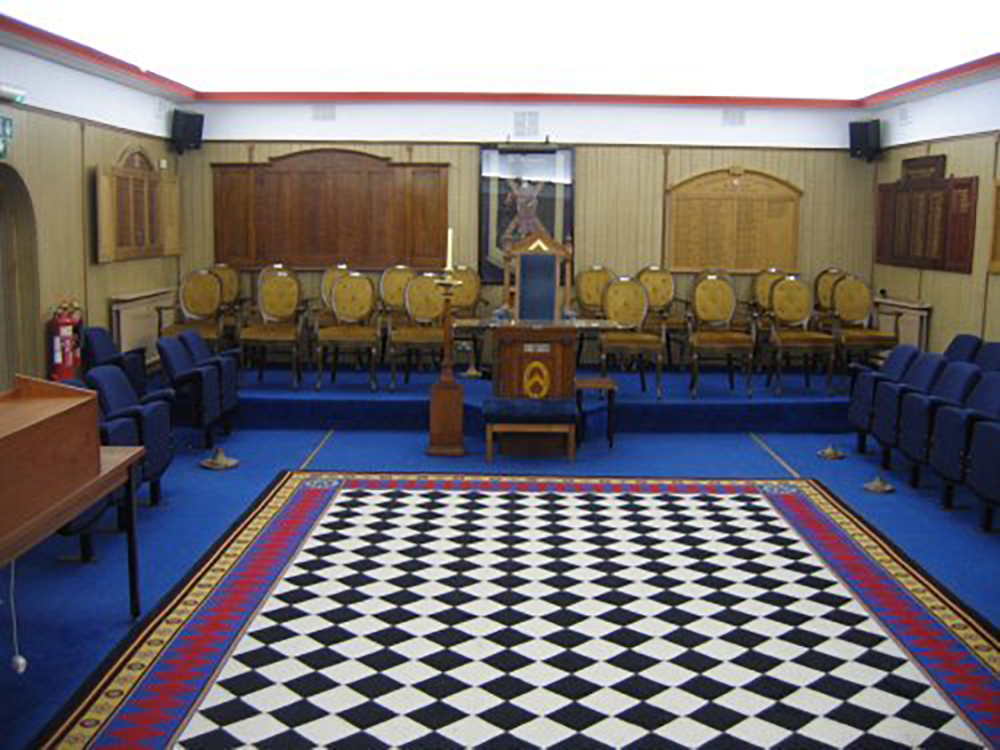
(736, 219)
(316, 209)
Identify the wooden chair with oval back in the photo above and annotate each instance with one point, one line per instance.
(392, 300)
(199, 302)
(710, 328)
(792, 330)
(282, 320)
(760, 307)
(660, 319)
(590, 286)
(232, 302)
(421, 330)
(855, 319)
(823, 296)
(348, 322)
(465, 302)
(626, 303)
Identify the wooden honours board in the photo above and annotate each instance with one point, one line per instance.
(736, 219)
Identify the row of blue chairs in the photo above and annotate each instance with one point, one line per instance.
(941, 411)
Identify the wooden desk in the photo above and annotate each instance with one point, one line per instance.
(119, 466)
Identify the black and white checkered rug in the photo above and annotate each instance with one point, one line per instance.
(501, 619)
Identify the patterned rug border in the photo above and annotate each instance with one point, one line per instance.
(100, 703)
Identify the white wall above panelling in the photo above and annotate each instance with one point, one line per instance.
(62, 89)
(561, 123)
(972, 109)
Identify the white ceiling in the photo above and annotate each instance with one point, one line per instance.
(767, 48)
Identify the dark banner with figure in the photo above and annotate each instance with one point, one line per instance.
(521, 192)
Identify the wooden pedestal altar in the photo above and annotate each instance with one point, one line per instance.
(447, 398)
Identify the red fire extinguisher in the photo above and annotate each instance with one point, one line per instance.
(64, 342)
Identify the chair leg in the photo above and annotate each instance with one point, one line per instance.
(155, 495)
(604, 364)
(807, 365)
(373, 379)
(886, 457)
(320, 361)
(86, 547)
(406, 371)
(295, 366)
(776, 368)
(987, 523)
(749, 370)
(948, 496)
(862, 443)
(729, 370)
(693, 387)
(334, 364)
(914, 474)
(261, 357)
(392, 366)
(642, 372)
(659, 378)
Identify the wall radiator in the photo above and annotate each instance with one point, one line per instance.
(135, 320)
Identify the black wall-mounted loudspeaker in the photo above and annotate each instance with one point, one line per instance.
(185, 131)
(866, 139)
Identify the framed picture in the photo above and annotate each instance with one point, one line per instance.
(521, 191)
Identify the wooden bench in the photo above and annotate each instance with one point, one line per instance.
(527, 416)
(514, 427)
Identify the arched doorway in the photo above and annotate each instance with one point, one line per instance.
(20, 338)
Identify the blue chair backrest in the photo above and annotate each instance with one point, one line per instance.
(114, 392)
(175, 357)
(988, 357)
(985, 397)
(924, 372)
(956, 380)
(899, 361)
(537, 287)
(963, 348)
(98, 346)
(196, 346)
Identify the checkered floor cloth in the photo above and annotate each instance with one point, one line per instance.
(465, 618)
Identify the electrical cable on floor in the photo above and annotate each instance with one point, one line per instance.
(18, 663)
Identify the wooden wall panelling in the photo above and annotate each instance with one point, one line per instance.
(104, 147)
(899, 282)
(618, 207)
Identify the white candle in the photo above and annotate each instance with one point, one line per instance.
(449, 265)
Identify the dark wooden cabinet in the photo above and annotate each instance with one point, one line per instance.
(319, 208)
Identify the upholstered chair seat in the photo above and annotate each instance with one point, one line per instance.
(282, 320)
(854, 320)
(626, 303)
(864, 381)
(711, 333)
(349, 322)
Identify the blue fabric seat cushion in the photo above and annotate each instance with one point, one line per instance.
(529, 411)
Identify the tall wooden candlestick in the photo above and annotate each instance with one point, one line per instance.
(447, 399)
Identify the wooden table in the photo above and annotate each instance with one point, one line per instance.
(119, 466)
(601, 385)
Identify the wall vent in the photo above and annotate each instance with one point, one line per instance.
(905, 118)
(525, 124)
(734, 118)
(327, 112)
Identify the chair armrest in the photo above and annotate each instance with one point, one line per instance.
(164, 394)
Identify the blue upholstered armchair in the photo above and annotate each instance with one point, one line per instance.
(984, 468)
(200, 400)
(118, 431)
(920, 378)
(916, 416)
(963, 348)
(952, 435)
(226, 363)
(151, 415)
(863, 382)
(988, 357)
(100, 349)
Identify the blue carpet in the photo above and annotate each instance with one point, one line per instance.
(949, 545)
(350, 404)
(72, 615)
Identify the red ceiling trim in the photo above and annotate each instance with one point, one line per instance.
(88, 54)
(982, 65)
(520, 98)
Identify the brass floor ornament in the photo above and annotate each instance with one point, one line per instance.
(219, 461)
(879, 486)
(831, 453)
